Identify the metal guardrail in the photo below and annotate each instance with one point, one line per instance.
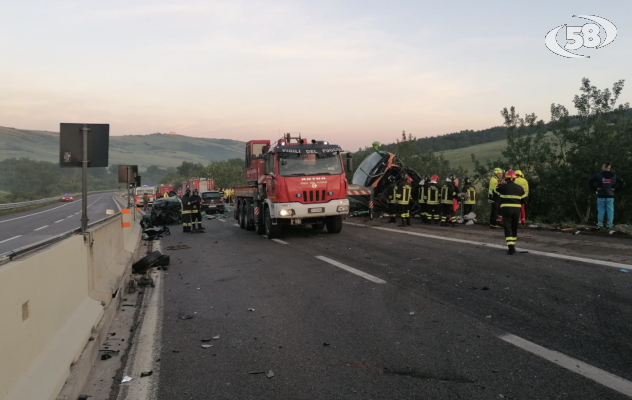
(9, 255)
(11, 206)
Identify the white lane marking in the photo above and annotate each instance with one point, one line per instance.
(14, 237)
(70, 216)
(59, 221)
(221, 220)
(41, 212)
(41, 227)
(496, 246)
(351, 269)
(236, 224)
(579, 367)
(116, 203)
(279, 241)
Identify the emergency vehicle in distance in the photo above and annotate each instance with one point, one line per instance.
(296, 183)
(201, 184)
(140, 191)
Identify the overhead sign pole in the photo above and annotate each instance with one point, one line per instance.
(84, 185)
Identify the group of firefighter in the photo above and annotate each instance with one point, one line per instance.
(507, 194)
(191, 211)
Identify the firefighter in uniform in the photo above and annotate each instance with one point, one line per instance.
(186, 211)
(422, 198)
(511, 198)
(520, 180)
(433, 204)
(493, 215)
(449, 192)
(392, 200)
(403, 201)
(196, 212)
(471, 196)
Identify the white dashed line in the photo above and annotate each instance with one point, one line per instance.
(14, 237)
(579, 367)
(59, 221)
(279, 241)
(70, 216)
(41, 227)
(351, 269)
(496, 246)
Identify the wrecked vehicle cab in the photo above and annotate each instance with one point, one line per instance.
(166, 210)
(375, 172)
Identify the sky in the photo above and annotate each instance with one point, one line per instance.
(350, 72)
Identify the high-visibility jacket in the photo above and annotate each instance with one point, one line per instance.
(404, 192)
(449, 192)
(195, 202)
(392, 194)
(432, 193)
(525, 185)
(422, 192)
(471, 192)
(511, 194)
(186, 204)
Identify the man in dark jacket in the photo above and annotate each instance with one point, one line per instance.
(511, 197)
(605, 183)
(404, 189)
(449, 192)
(186, 211)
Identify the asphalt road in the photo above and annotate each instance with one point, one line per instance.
(28, 227)
(420, 318)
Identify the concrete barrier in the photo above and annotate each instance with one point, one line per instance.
(53, 301)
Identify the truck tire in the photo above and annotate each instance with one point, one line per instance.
(242, 215)
(141, 266)
(260, 226)
(334, 224)
(236, 211)
(250, 216)
(272, 231)
(319, 226)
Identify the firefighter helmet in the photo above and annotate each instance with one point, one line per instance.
(510, 175)
(426, 177)
(435, 178)
(519, 173)
(451, 177)
(498, 171)
(188, 191)
(467, 181)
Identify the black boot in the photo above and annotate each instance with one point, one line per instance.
(512, 249)
(408, 221)
(392, 220)
(403, 224)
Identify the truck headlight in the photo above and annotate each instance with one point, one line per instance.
(343, 209)
(286, 212)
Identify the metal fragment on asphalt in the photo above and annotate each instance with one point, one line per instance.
(256, 372)
(207, 346)
(270, 374)
(144, 374)
(216, 337)
(126, 379)
(251, 309)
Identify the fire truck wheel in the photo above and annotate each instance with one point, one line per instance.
(319, 226)
(236, 211)
(272, 231)
(334, 224)
(250, 216)
(242, 215)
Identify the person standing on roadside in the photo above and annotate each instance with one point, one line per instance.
(605, 183)
(186, 211)
(520, 180)
(511, 198)
(493, 200)
(196, 212)
(145, 201)
(471, 196)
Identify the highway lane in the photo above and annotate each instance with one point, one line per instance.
(437, 328)
(24, 228)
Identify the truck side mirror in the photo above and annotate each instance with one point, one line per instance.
(349, 163)
(265, 149)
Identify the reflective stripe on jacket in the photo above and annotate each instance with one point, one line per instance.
(471, 192)
(432, 192)
(525, 185)
(511, 194)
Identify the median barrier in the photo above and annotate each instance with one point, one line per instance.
(53, 301)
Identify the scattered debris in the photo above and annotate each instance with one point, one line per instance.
(105, 357)
(207, 346)
(488, 316)
(577, 233)
(256, 372)
(324, 344)
(270, 374)
(411, 313)
(206, 340)
(83, 397)
(126, 379)
(624, 271)
(141, 266)
(485, 288)
(175, 351)
(470, 222)
(144, 374)
(216, 337)
(186, 316)
(145, 280)
(178, 247)
(611, 232)
(251, 309)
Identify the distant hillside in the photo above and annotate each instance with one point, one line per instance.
(143, 150)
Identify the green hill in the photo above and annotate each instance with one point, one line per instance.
(463, 157)
(144, 150)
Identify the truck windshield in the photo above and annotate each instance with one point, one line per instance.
(362, 175)
(292, 164)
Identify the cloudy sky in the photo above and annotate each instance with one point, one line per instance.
(346, 71)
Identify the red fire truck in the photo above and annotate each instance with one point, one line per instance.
(201, 184)
(292, 183)
(162, 189)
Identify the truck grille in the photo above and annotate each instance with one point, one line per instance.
(313, 195)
